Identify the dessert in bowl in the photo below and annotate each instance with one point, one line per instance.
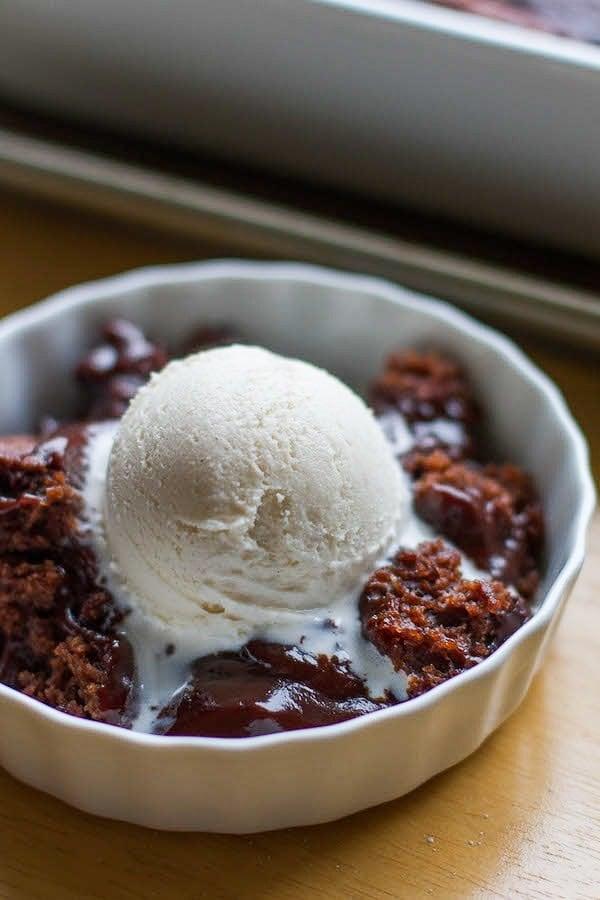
(233, 551)
(239, 546)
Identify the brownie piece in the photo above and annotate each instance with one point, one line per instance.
(491, 512)
(433, 396)
(38, 507)
(432, 623)
(58, 641)
(265, 688)
(114, 371)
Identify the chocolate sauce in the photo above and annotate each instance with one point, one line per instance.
(263, 689)
(492, 513)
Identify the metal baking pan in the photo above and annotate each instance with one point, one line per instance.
(446, 111)
(239, 214)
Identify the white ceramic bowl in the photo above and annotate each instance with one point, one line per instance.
(348, 324)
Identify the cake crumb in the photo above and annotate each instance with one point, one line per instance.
(430, 621)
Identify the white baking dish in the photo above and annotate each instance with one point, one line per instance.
(447, 111)
(346, 323)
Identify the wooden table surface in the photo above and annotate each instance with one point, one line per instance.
(520, 818)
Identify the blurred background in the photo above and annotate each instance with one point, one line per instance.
(451, 145)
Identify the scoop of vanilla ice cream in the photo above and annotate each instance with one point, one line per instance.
(243, 486)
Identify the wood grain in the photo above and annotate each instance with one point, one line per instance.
(519, 819)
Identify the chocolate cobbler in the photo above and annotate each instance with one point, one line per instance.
(431, 609)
